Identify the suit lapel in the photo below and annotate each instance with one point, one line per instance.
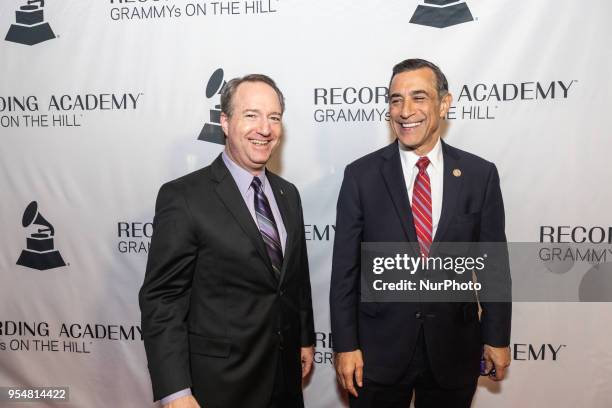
(288, 218)
(396, 185)
(228, 192)
(452, 184)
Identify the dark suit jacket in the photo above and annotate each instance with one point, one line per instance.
(373, 206)
(214, 316)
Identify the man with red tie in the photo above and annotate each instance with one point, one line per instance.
(417, 189)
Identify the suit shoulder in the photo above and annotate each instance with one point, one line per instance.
(183, 190)
(469, 158)
(370, 160)
(190, 180)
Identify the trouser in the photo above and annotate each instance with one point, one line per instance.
(420, 379)
(284, 396)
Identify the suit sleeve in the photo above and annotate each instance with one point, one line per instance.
(165, 294)
(307, 334)
(344, 287)
(496, 305)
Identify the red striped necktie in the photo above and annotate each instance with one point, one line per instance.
(421, 207)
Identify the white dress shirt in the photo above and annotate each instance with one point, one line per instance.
(435, 171)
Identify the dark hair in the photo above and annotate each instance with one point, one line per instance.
(229, 89)
(416, 63)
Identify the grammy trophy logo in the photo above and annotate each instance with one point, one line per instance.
(212, 132)
(442, 13)
(30, 27)
(40, 253)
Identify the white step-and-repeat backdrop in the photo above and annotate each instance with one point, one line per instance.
(101, 102)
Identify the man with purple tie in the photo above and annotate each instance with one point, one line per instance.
(226, 304)
(418, 189)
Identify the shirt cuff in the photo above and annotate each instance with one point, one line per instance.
(176, 395)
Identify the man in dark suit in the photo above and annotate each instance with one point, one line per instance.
(418, 189)
(226, 305)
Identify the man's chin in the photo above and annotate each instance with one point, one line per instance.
(259, 162)
(408, 143)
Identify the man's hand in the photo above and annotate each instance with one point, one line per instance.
(307, 354)
(498, 358)
(350, 364)
(188, 401)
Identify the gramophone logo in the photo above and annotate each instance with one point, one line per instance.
(40, 253)
(212, 132)
(441, 13)
(30, 27)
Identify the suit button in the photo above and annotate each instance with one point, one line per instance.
(280, 340)
(418, 315)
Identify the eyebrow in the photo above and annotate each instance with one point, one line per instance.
(419, 92)
(412, 93)
(258, 111)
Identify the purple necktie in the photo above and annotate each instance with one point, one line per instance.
(267, 226)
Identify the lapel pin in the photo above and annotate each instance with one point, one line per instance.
(282, 192)
(457, 173)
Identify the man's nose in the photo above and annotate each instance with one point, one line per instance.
(407, 109)
(264, 127)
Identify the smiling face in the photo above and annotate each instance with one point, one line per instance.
(416, 109)
(255, 126)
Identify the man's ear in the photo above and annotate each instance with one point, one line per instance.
(224, 123)
(445, 104)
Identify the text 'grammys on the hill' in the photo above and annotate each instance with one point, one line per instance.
(130, 10)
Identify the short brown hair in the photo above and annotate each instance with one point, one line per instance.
(227, 94)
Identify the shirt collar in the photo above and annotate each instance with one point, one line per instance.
(410, 158)
(242, 177)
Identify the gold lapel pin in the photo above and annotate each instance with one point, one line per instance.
(457, 173)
